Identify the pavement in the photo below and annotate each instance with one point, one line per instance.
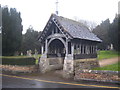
(49, 80)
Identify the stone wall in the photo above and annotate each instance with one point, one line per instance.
(86, 63)
(96, 75)
(48, 64)
(71, 65)
(17, 68)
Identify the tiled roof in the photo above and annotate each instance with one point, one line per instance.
(76, 29)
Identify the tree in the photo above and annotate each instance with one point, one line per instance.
(102, 31)
(90, 24)
(11, 31)
(30, 41)
(114, 33)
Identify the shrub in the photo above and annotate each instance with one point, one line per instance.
(18, 61)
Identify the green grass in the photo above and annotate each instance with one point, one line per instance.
(19, 56)
(15, 56)
(113, 67)
(107, 54)
(37, 57)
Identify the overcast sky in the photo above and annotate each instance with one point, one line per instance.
(37, 12)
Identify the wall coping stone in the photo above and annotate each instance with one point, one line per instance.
(90, 59)
(97, 72)
(85, 79)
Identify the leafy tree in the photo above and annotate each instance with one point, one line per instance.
(30, 41)
(90, 24)
(11, 31)
(102, 31)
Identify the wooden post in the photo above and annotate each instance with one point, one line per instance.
(66, 47)
(46, 47)
(80, 48)
(96, 48)
(72, 49)
(42, 49)
(86, 49)
(91, 48)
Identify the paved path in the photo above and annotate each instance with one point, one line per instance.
(105, 62)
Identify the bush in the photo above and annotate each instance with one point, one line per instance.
(18, 61)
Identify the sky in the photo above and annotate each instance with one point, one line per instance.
(37, 12)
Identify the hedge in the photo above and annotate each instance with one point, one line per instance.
(18, 61)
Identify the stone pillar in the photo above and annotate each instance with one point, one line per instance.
(68, 68)
(44, 63)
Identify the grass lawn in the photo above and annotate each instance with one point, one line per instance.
(107, 54)
(113, 67)
(36, 57)
(20, 56)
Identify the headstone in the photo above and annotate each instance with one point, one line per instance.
(16, 53)
(29, 53)
(36, 53)
(21, 54)
(111, 46)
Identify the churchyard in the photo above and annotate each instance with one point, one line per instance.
(29, 65)
(101, 56)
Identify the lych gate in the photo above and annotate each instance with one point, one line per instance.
(67, 44)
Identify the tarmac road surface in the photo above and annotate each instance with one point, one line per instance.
(11, 81)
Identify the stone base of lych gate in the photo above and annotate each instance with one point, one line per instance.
(68, 65)
(48, 64)
(68, 69)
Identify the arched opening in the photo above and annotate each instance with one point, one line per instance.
(56, 48)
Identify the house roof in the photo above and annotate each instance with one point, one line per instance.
(75, 29)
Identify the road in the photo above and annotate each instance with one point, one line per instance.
(11, 81)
